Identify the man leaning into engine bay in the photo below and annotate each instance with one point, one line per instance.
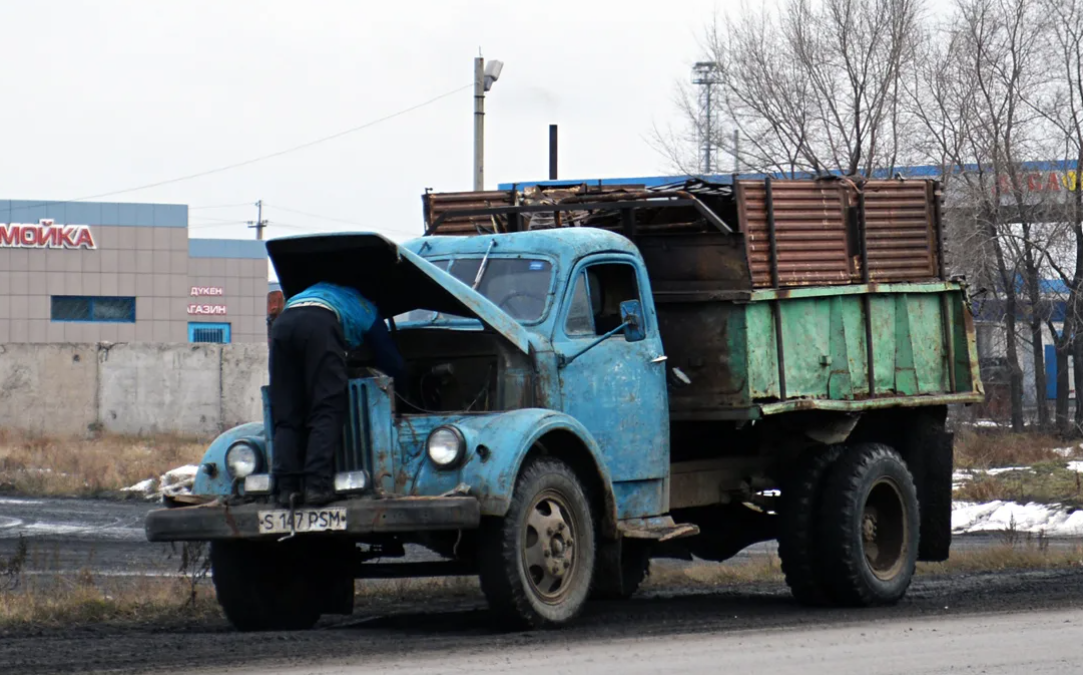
(308, 389)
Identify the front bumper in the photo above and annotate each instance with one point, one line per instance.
(363, 516)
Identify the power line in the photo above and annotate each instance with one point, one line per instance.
(342, 220)
(261, 158)
(219, 206)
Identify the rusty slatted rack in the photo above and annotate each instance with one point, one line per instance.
(776, 310)
(619, 202)
(866, 300)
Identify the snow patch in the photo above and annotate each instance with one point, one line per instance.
(11, 501)
(172, 483)
(1076, 466)
(1069, 451)
(996, 516)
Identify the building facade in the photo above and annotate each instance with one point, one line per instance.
(109, 272)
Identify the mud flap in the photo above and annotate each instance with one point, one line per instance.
(333, 564)
(930, 458)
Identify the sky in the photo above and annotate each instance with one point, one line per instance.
(106, 95)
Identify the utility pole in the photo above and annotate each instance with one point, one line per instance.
(736, 151)
(479, 124)
(260, 222)
(484, 77)
(704, 75)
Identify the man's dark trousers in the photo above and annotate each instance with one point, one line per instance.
(308, 397)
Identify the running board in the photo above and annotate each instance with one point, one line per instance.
(658, 528)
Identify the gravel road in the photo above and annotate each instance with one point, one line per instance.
(1008, 644)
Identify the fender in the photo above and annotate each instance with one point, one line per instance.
(508, 438)
(220, 483)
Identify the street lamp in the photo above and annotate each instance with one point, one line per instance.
(485, 74)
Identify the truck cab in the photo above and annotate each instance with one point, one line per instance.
(546, 441)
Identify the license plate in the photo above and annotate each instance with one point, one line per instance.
(304, 520)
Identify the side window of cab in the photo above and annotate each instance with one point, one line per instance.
(595, 305)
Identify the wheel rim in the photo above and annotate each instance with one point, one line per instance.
(549, 547)
(884, 529)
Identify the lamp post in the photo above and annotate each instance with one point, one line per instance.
(485, 74)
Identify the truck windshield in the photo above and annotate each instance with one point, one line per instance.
(519, 286)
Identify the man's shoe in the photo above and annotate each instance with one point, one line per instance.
(282, 499)
(285, 487)
(318, 492)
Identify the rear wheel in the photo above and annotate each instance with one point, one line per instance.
(869, 527)
(263, 586)
(797, 539)
(537, 562)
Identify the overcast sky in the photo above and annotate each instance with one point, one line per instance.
(106, 95)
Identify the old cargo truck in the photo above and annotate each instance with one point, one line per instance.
(599, 376)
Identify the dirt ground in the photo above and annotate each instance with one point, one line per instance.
(390, 628)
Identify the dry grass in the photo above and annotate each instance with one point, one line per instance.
(987, 450)
(84, 599)
(751, 569)
(1032, 553)
(1045, 483)
(36, 465)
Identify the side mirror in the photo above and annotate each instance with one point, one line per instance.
(632, 318)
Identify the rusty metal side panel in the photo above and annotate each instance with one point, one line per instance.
(901, 232)
(708, 342)
(695, 262)
(436, 204)
(811, 232)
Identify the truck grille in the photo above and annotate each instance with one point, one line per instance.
(355, 452)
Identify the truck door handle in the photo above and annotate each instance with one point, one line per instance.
(659, 359)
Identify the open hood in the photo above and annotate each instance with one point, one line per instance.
(393, 278)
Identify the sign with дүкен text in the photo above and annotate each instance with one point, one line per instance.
(46, 234)
(199, 291)
(207, 310)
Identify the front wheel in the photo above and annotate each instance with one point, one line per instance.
(263, 586)
(537, 562)
(869, 527)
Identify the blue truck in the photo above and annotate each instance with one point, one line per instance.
(602, 376)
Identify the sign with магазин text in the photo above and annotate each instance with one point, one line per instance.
(46, 234)
(207, 310)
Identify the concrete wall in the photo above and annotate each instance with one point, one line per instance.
(130, 388)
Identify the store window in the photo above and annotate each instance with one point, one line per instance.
(209, 332)
(93, 309)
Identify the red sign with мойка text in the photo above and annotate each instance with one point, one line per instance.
(46, 234)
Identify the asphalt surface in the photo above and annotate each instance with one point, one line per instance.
(1039, 643)
(1003, 622)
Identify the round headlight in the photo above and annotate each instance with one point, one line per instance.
(241, 459)
(446, 446)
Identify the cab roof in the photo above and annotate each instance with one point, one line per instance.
(566, 243)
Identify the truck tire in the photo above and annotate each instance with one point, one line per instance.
(797, 540)
(537, 562)
(869, 527)
(262, 586)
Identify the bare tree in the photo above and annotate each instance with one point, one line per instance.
(1061, 104)
(969, 91)
(814, 86)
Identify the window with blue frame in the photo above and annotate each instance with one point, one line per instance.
(208, 332)
(101, 309)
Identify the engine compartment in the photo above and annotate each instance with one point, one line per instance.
(450, 371)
